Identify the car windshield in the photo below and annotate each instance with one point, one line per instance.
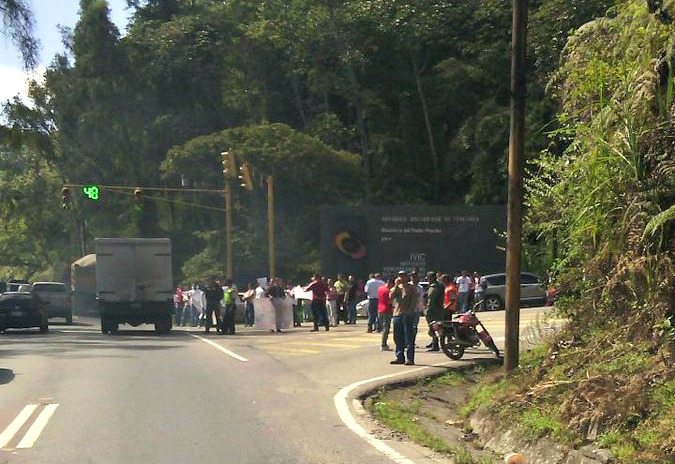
(49, 287)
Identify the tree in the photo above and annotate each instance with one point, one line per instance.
(18, 24)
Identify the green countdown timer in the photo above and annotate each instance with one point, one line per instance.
(91, 192)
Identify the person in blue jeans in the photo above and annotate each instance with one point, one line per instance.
(350, 299)
(404, 297)
(371, 287)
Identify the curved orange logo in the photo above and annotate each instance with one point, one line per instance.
(349, 244)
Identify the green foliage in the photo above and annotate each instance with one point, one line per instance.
(535, 424)
(394, 415)
(599, 203)
(419, 90)
(17, 24)
(483, 396)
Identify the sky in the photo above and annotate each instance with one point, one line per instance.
(48, 15)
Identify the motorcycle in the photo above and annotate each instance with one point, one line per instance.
(465, 331)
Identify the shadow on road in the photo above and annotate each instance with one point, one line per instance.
(87, 344)
(6, 375)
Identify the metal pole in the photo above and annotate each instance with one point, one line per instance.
(228, 228)
(514, 215)
(270, 225)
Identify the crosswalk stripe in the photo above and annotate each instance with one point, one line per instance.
(328, 344)
(16, 424)
(368, 337)
(36, 429)
(295, 350)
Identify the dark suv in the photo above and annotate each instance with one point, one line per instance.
(56, 297)
(532, 290)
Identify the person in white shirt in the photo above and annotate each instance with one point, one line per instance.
(463, 285)
(371, 287)
(259, 292)
(197, 302)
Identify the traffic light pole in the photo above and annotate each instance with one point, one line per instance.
(228, 228)
(270, 226)
(514, 211)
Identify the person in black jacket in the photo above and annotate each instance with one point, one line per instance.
(213, 293)
(434, 307)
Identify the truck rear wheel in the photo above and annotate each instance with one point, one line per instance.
(163, 327)
(108, 326)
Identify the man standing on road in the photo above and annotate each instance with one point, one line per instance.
(341, 286)
(197, 303)
(463, 286)
(350, 299)
(479, 290)
(213, 294)
(434, 307)
(404, 297)
(385, 311)
(371, 287)
(178, 305)
(449, 295)
(229, 306)
(319, 289)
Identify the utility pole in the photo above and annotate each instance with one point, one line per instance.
(514, 214)
(270, 226)
(229, 172)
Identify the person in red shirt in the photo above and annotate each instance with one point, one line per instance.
(385, 311)
(319, 289)
(450, 301)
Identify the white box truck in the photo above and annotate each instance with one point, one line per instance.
(134, 282)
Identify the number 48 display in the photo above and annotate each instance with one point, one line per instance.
(91, 191)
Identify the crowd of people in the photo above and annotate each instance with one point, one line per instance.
(398, 301)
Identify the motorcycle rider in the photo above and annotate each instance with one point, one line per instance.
(434, 307)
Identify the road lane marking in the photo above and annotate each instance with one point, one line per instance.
(340, 400)
(288, 349)
(36, 429)
(16, 424)
(327, 344)
(221, 348)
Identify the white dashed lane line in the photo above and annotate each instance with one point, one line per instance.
(221, 348)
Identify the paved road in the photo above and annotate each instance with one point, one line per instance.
(76, 396)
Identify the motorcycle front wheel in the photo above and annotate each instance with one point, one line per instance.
(450, 348)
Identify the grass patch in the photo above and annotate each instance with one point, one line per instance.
(482, 396)
(451, 379)
(535, 424)
(398, 417)
(405, 418)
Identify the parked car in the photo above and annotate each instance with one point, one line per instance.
(56, 297)
(14, 284)
(21, 310)
(25, 288)
(532, 290)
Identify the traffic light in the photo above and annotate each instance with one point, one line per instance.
(245, 177)
(65, 197)
(138, 194)
(229, 164)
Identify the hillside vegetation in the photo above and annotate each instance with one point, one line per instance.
(604, 210)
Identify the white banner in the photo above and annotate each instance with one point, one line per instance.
(273, 313)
